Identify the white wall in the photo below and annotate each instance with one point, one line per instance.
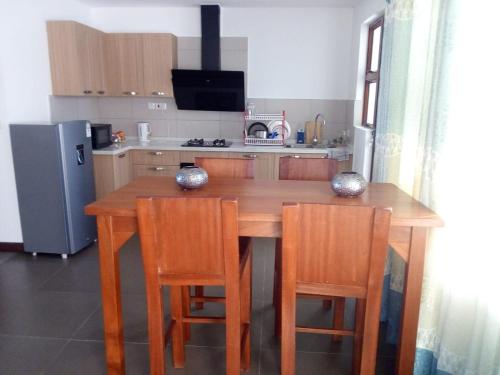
(24, 84)
(293, 53)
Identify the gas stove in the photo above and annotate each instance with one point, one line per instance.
(200, 142)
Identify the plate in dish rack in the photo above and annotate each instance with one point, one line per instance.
(277, 126)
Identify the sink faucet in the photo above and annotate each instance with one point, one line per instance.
(315, 136)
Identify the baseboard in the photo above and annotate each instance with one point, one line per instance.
(12, 246)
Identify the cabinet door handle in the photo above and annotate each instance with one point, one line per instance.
(250, 156)
(87, 92)
(157, 153)
(132, 93)
(158, 169)
(158, 93)
(101, 92)
(296, 156)
(121, 156)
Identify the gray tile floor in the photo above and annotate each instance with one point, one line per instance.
(51, 321)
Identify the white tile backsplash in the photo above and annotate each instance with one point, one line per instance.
(198, 129)
(118, 107)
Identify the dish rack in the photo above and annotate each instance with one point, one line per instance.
(265, 141)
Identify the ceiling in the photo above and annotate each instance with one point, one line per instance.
(222, 3)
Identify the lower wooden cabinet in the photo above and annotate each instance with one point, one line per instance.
(111, 172)
(155, 170)
(155, 163)
(188, 156)
(264, 163)
(281, 155)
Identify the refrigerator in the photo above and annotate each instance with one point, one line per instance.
(54, 180)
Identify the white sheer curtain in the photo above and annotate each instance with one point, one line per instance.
(438, 138)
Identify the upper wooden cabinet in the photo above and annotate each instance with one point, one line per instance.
(76, 59)
(159, 52)
(85, 61)
(124, 64)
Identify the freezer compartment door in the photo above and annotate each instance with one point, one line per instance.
(76, 150)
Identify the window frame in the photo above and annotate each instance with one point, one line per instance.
(371, 76)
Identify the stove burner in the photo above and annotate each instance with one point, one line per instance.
(195, 142)
(200, 142)
(219, 142)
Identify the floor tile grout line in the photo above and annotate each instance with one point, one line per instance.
(56, 358)
(56, 272)
(86, 320)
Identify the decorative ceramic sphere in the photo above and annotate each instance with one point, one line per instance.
(348, 184)
(191, 177)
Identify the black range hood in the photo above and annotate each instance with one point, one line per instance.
(209, 89)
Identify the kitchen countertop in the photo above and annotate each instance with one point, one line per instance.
(172, 144)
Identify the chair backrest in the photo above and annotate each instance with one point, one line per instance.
(227, 167)
(311, 169)
(187, 237)
(342, 247)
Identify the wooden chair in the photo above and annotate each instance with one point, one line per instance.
(194, 241)
(227, 167)
(223, 168)
(310, 169)
(335, 251)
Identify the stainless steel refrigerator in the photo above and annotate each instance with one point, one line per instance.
(55, 180)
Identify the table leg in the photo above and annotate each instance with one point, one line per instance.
(411, 301)
(111, 299)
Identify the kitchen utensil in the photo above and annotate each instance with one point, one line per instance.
(277, 126)
(256, 126)
(348, 184)
(261, 134)
(191, 177)
(144, 131)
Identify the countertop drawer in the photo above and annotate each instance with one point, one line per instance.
(155, 170)
(155, 157)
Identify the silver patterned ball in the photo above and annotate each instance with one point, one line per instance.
(191, 177)
(348, 184)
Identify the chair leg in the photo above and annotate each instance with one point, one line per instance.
(370, 338)
(358, 336)
(277, 271)
(156, 332)
(246, 311)
(186, 309)
(198, 292)
(277, 288)
(233, 328)
(288, 318)
(338, 317)
(178, 330)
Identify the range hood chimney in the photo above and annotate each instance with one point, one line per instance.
(210, 37)
(209, 89)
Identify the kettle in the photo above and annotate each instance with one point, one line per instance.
(144, 131)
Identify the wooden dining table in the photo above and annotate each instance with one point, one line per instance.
(260, 204)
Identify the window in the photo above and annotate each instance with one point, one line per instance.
(372, 72)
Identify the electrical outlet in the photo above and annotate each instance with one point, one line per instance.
(157, 106)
